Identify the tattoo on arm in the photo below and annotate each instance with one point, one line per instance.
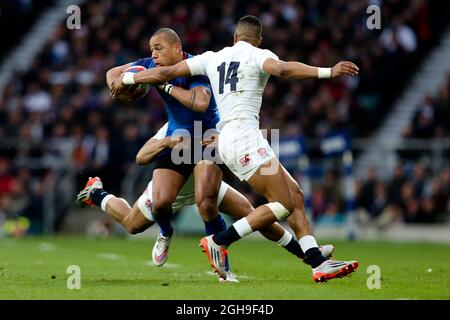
(192, 101)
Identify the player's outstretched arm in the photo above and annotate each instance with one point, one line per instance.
(158, 75)
(153, 147)
(298, 70)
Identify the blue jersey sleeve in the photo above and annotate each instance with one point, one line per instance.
(197, 81)
(147, 63)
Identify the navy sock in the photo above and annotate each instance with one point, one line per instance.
(227, 237)
(314, 257)
(215, 226)
(164, 223)
(97, 196)
(294, 247)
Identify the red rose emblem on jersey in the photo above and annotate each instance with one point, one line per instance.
(245, 160)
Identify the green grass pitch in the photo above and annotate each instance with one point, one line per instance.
(121, 268)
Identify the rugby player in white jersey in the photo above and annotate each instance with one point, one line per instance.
(139, 218)
(238, 76)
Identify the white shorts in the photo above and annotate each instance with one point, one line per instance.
(185, 197)
(243, 148)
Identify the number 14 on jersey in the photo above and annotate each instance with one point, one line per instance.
(231, 77)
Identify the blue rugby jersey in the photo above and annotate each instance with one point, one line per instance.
(179, 117)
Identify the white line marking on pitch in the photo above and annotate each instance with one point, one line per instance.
(46, 246)
(109, 256)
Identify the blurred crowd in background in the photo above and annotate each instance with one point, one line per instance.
(432, 116)
(60, 110)
(412, 194)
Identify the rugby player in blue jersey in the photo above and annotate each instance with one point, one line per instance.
(168, 177)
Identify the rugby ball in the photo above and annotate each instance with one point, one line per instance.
(135, 91)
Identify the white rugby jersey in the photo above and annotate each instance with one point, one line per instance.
(237, 79)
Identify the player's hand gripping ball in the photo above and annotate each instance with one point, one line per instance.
(133, 92)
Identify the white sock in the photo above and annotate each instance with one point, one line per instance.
(104, 201)
(242, 227)
(307, 242)
(285, 239)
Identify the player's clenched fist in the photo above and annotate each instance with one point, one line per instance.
(344, 68)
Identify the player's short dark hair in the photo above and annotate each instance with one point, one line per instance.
(170, 35)
(250, 26)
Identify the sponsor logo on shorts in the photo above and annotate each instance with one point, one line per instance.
(148, 204)
(245, 160)
(262, 152)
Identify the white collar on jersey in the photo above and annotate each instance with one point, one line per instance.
(242, 42)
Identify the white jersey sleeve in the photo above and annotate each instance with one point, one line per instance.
(263, 56)
(161, 132)
(197, 64)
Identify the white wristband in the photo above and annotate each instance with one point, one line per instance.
(128, 78)
(167, 87)
(324, 73)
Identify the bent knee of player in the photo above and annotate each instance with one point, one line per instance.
(245, 208)
(161, 203)
(133, 229)
(131, 226)
(288, 204)
(290, 207)
(207, 207)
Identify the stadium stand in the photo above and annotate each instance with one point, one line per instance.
(18, 15)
